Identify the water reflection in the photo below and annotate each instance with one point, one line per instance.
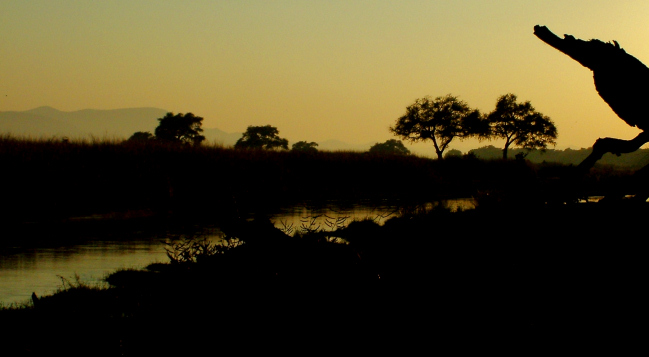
(24, 270)
(40, 270)
(322, 215)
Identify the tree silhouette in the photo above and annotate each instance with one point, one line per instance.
(453, 153)
(392, 147)
(304, 146)
(439, 120)
(621, 81)
(180, 128)
(521, 125)
(261, 137)
(140, 137)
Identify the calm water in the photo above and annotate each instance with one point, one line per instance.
(43, 269)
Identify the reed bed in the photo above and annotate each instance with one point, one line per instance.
(55, 179)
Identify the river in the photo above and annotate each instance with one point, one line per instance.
(44, 269)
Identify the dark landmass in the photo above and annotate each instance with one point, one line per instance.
(434, 277)
(634, 160)
(529, 259)
(47, 122)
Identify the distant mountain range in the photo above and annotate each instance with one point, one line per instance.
(48, 122)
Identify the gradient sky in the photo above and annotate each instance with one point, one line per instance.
(316, 70)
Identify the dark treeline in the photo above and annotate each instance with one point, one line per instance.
(57, 180)
(634, 160)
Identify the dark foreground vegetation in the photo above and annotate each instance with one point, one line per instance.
(527, 263)
(53, 180)
(633, 160)
(426, 278)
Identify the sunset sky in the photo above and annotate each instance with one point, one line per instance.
(316, 70)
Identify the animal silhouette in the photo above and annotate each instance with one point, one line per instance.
(620, 79)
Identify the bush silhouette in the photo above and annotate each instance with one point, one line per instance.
(304, 146)
(261, 137)
(140, 137)
(391, 147)
(180, 128)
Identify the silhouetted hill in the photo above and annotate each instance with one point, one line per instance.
(337, 145)
(214, 135)
(635, 160)
(48, 122)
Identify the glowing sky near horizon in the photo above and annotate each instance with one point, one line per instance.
(317, 70)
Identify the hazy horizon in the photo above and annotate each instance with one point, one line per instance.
(101, 129)
(315, 70)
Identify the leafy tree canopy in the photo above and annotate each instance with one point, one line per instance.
(392, 147)
(439, 120)
(261, 137)
(180, 128)
(304, 146)
(519, 124)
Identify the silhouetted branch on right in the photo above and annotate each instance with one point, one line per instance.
(620, 80)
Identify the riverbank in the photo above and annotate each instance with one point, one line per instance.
(518, 273)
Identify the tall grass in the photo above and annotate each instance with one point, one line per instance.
(56, 179)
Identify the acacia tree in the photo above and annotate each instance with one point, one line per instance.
(439, 120)
(519, 124)
(180, 128)
(392, 147)
(261, 137)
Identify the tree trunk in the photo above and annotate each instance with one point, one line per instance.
(505, 150)
(439, 153)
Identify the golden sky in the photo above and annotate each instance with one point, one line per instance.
(316, 70)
